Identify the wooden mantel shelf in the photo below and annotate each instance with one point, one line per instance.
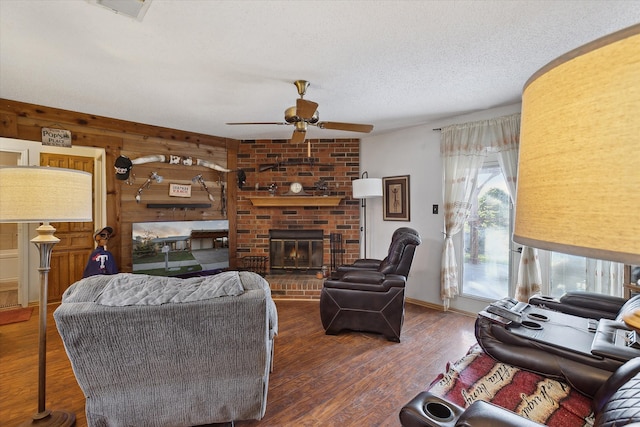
(296, 201)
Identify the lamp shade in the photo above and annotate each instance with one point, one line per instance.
(578, 188)
(366, 188)
(45, 194)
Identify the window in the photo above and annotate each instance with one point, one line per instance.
(487, 237)
(567, 273)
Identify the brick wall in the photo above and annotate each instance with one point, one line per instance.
(339, 161)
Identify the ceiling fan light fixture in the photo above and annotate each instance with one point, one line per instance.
(305, 113)
(290, 115)
(302, 86)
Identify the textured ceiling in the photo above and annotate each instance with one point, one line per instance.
(195, 65)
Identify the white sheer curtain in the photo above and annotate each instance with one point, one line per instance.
(463, 153)
(506, 142)
(463, 149)
(529, 277)
(605, 277)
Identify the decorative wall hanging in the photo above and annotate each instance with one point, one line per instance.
(123, 165)
(152, 177)
(180, 190)
(396, 198)
(200, 180)
(56, 137)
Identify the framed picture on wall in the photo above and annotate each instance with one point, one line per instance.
(395, 193)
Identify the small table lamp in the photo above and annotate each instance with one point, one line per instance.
(32, 194)
(366, 188)
(579, 172)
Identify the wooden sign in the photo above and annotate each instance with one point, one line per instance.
(56, 137)
(180, 190)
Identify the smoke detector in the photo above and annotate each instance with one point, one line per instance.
(132, 8)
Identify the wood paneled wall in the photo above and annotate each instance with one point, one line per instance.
(118, 137)
(248, 225)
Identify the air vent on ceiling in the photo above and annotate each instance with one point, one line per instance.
(132, 8)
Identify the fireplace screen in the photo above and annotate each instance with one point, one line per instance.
(300, 250)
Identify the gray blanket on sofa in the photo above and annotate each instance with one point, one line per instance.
(139, 290)
(126, 289)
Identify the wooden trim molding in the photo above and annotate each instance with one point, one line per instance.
(296, 201)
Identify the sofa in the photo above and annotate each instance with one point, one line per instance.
(616, 403)
(158, 351)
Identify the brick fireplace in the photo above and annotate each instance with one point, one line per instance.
(336, 162)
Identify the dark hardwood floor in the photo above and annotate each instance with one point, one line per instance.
(318, 380)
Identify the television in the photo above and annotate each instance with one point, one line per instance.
(180, 248)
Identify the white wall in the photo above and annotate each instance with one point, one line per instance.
(414, 152)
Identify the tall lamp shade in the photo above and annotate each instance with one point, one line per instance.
(43, 194)
(366, 188)
(578, 188)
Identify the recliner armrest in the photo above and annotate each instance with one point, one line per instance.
(368, 263)
(415, 413)
(604, 342)
(367, 281)
(485, 414)
(583, 304)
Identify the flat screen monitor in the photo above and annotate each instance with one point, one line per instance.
(179, 248)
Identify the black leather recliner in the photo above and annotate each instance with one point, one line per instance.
(616, 403)
(374, 264)
(370, 300)
(583, 369)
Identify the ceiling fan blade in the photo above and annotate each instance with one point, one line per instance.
(352, 127)
(298, 136)
(257, 123)
(305, 109)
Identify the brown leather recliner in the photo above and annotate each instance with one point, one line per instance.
(370, 300)
(374, 264)
(617, 403)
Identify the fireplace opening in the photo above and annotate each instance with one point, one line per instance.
(296, 250)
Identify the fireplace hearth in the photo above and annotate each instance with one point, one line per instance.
(296, 251)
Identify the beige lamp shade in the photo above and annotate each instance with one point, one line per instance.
(45, 194)
(366, 188)
(578, 186)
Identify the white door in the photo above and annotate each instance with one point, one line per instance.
(19, 258)
(14, 238)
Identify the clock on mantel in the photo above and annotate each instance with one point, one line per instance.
(296, 189)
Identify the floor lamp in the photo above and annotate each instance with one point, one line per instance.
(366, 188)
(32, 194)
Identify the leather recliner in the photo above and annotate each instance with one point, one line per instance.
(616, 403)
(370, 300)
(584, 371)
(374, 264)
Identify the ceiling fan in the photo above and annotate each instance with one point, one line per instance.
(305, 113)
